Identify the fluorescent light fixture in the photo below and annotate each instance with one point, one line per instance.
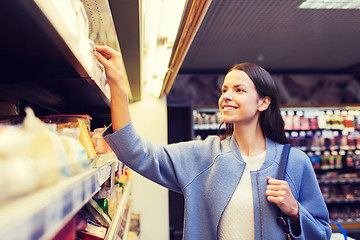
(330, 4)
(160, 24)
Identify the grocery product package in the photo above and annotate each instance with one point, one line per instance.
(100, 145)
(33, 156)
(75, 126)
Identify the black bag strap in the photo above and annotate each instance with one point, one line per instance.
(282, 218)
(283, 162)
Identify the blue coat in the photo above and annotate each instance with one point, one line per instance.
(208, 172)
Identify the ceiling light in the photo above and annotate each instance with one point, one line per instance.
(330, 4)
(161, 19)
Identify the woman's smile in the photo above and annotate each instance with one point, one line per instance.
(229, 108)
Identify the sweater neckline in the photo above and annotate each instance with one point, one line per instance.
(271, 151)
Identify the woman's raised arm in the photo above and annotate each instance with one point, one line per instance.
(114, 70)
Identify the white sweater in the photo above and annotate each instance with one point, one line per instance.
(237, 221)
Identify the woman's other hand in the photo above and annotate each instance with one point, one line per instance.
(279, 192)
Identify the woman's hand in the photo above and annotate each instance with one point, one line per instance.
(278, 192)
(115, 74)
(113, 64)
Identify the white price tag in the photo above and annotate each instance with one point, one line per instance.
(101, 175)
(77, 195)
(38, 225)
(87, 188)
(98, 178)
(53, 214)
(93, 184)
(108, 171)
(67, 206)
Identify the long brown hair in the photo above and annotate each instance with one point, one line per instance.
(271, 122)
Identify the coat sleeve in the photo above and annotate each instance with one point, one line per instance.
(313, 212)
(172, 166)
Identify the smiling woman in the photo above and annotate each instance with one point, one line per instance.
(239, 103)
(252, 87)
(242, 167)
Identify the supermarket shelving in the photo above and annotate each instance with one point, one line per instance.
(44, 68)
(47, 67)
(42, 214)
(128, 223)
(119, 215)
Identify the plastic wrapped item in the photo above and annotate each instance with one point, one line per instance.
(70, 132)
(76, 154)
(17, 177)
(71, 22)
(67, 121)
(46, 149)
(33, 156)
(100, 145)
(30, 157)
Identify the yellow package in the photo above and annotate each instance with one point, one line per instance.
(85, 139)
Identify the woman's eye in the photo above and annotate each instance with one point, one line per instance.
(239, 90)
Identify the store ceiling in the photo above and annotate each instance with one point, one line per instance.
(277, 35)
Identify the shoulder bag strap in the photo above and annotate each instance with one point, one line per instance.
(282, 218)
(283, 162)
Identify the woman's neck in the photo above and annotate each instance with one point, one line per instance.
(250, 139)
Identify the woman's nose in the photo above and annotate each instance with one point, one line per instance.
(228, 95)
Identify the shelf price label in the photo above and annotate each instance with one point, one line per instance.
(94, 184)
(78, 196)
(67, 203)
(53, 214)
(87, 188)
(38, 225)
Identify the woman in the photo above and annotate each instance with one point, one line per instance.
(228, 185)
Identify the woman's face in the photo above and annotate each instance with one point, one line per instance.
(239, 102)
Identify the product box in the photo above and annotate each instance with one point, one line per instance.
(92, 231)
(98, 212)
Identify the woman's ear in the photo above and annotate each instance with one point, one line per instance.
(264, 103)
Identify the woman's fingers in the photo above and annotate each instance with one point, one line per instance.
(108, 53)
(276, 190)
(101, 58)
(274, 181)
(279, 192)
(105, 50)
(275, 193)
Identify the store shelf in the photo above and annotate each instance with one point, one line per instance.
(212, 126)
(349, 226)
(128, 223)
(46, 64)
(116, 222)
(339, 181)
(42, 214)
(126, 17)
(343, 200)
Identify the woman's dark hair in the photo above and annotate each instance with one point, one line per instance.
(271, 122)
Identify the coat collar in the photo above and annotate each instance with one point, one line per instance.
(272, 151)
